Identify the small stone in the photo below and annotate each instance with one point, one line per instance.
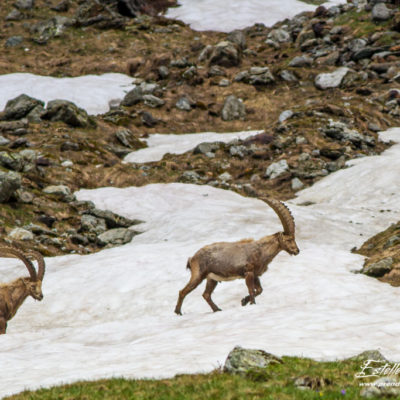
(14, 41)
(183, 104)
(116, 236)
(288, 76)
(224, 83)
(61, 191)
(276, 169)
(297, 184)
(163, 72)
(233, 108)
(206, 147)
(153, 101)
(21, 234)
(287, 114)
(190, 176)
(279, 35)
(225, 177)
(301, 61)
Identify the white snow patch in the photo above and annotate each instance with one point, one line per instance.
(220, 16)
(90, 92)
(111, 313)
(159, 144)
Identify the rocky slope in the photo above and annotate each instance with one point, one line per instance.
(319, 86)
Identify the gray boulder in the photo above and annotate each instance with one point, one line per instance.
(60, 191)
(206, 147)
(277, 169)
(380, 12)
(10, 182)
(54, 27)
(331, 80)
(116, 236)
(20, 106)
(225, 54)
(183, 104)
(379, 268)
(153, 101)
(260, 76)
(68, 112)
(24, 4)
(92, 224)
(21, 234)
(237, 37)
(301, 61)
(387, 386)
(113, 220)
(14, 41)
(233, 108)
(279, 35)
(240, 361)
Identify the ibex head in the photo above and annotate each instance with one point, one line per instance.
(34, 282)
(287, 237)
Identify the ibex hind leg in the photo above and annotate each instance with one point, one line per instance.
(257, 291)
(211, 285)
(195, 281)
(3, 326)
(251, 280)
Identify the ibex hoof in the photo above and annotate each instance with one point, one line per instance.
(244, 301)
(217, 309)
(178, 312)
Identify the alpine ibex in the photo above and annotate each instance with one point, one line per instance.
(13, 294)
(248, 259)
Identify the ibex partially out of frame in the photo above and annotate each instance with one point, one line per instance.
(248, 259)
(13, 294)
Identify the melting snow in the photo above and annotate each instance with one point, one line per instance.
(159, 144)
(111, 313)
(90, 92)
(215, 15)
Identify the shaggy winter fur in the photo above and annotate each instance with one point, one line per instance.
(13, 294)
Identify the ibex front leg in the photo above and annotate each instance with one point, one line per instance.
(257, 290)
(3, 326)
(211, 285)
(249, 276)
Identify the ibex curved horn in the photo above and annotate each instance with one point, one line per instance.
(283, 213)
(41, 264)
(11, 251)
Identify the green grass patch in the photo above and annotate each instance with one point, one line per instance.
(314, 2)
(330, 380)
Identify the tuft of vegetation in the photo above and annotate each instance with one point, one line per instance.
(327, 380)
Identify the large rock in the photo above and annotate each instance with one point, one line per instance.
(225, 54)
(380, 12)
(10, 182)
(331, 80)
(387, 387)
(260, 76)
(53, 27)
(24, 4)
(277, 169)
(233, 108)
(21, 234)
(113, 220)
(279, 35)
(92, 224)
(20, 106)
(68, 112)
(379, 268)
(116, 236)
(240, 360)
